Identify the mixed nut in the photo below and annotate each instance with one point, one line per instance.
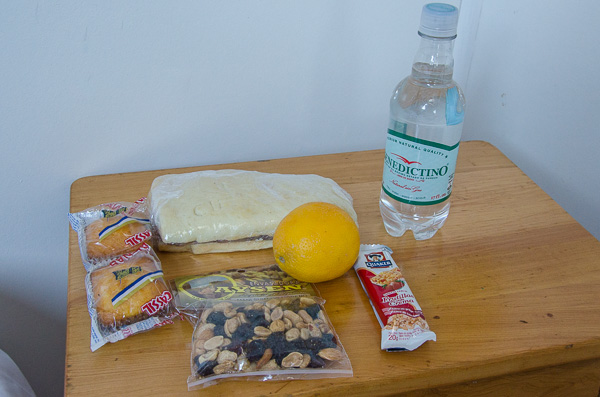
(280, 333)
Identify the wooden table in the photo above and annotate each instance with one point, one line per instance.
(511, 286)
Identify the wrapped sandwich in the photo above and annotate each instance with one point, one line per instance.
(232, 210)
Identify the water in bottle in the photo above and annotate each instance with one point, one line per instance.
(426, 118)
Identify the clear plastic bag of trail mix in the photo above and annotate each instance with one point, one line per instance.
(127, 295)
(111, 229)
(259, 324)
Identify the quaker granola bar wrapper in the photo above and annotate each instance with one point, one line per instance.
(258, 324)
(403, 325)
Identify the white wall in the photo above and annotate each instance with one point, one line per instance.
(534, 92)
(99, 87)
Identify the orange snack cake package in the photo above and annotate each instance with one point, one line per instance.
(110, 230)
(403, 325)
(127, 295)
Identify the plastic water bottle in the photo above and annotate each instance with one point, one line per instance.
(426, 118)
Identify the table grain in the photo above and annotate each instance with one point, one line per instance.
(510, 285)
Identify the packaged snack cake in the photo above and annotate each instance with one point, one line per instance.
(127, 295)
(111, 229)
(402, 321)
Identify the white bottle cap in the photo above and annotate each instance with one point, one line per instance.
(439, 20)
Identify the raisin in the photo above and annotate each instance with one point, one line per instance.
(316, 361)
(236, 346)
(260, 322)
(314, 344)
(279, 357)
(313, 310)
(328, 340)
(255, 350)
(299, 346)
(277, 342)
(254, 314)
(244, 332)
(256, 318)
(219, 330)
(206, 367)
(217, 318)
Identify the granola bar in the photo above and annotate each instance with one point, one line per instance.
(403, 325)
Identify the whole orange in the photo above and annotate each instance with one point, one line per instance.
(316, 242)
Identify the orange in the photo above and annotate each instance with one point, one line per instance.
(316, 242)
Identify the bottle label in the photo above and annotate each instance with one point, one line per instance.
(417, 171)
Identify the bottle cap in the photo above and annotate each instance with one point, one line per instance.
(439, 20)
